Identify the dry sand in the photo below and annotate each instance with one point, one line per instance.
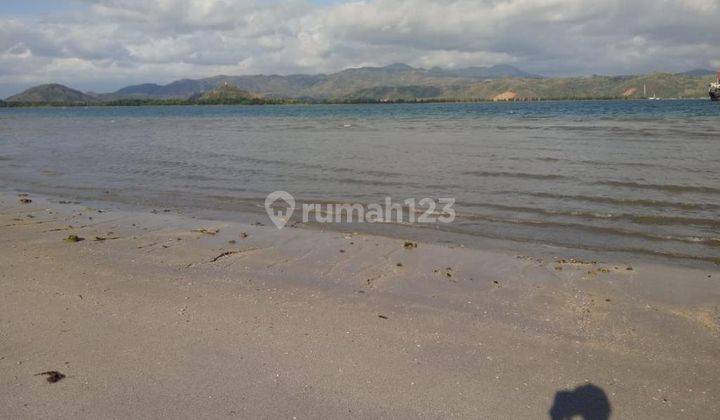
(160, 319)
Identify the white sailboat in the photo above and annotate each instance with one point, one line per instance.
(651, 98)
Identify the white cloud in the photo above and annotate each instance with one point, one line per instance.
(115, 42)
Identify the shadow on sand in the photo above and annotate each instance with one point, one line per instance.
(588, 402)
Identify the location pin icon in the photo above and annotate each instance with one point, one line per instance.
(280, 217)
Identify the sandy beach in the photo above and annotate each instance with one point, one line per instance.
(150, 314)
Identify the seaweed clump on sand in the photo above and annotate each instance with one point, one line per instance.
(74, 239)
(52, 376)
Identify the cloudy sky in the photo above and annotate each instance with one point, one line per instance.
(106, 44)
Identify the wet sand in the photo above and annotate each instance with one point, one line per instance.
(160, 314)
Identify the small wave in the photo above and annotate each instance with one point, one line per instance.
(672, 220)
(628, 164)
(608, 230)
(574, 128)
(230, 163)
(520, 175)
(662, 187)
(369, 182)
(611, 163)
(598, 163)
(514, 127)
(623, 201)
(691, 134)
(634, 218)
(624, 134)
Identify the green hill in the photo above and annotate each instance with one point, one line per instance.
(663, 85)
(397, 82)
(400, 82)
(227, 93)
(50, 93)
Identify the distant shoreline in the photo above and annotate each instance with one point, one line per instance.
(393, 84)
(259, 102)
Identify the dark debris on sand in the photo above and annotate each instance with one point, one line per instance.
(211, 232)
(52, 376)
(223, 255)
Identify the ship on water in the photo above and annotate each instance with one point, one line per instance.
(715, 89)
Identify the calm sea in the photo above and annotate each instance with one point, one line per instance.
(635, 177)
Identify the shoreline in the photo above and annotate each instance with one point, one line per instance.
(251, 211)
(181, 103)
(151, 315)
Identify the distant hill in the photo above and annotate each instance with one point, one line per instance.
(345, 83)
(397, 82)
(50, 93)
(663, 85)
(399, 93)
(274, 86)
(144, 89)
(227, 93)
(400, 82)
(698, 73)
(487, 73)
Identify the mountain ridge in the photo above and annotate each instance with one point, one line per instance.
(48, 93)
(324, 86)
(396, 82)
(227, 94)
(698, 73)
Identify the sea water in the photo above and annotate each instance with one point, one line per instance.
(634, 177)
